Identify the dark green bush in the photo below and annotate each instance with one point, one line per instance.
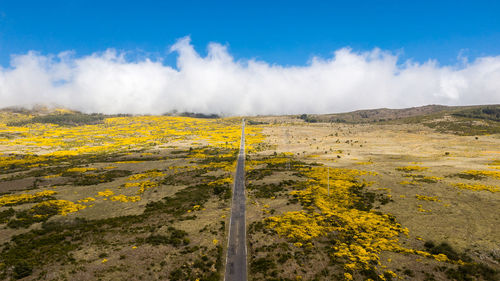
(67, 119)
(175, 238)
(96, 178)
(182, 201)
(21, 270)
(446, 249)
(262, 265)
(6, 215)
(409, 272)
(38, 213)
(472, 271)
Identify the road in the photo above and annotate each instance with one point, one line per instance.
(236, 259)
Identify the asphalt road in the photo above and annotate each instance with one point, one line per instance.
(236, 259)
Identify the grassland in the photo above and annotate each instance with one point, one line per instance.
(113, 198)
(406, 201)
(148, 197)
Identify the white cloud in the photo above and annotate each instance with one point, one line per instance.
(108, 82)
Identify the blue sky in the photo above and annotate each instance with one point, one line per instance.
(278, 32)
(253, 57)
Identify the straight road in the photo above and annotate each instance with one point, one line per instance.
(236, 259)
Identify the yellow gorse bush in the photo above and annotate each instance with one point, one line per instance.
(23, 197)
(335, 213)
(493, 174)
(427, 198)
(80, 170)
(477, 187)
(148, 174)
(86, 200)
(361, 234)
(47, 143)
(222, 181)
(123, 198)
(408, 169)
(105, 193)
(298, 226)
(145, 183)
(119, 134)
(64, 207)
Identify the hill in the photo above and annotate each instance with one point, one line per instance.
(462, 120)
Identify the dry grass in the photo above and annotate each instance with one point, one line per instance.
(463, 218)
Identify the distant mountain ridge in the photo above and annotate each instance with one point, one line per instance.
(459, 120)
(490, 112)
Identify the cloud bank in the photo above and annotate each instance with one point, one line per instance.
(108, 82)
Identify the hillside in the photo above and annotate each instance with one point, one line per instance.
(462, 120)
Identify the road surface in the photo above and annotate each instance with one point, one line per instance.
(236, 259)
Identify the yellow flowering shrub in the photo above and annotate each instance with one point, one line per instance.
(441, 257)
(427, 198)
(119, 134)
(221, 181)
(145, 185)
(132, 184)
(298, 226)
(105, 193)
(24, 197)
(123, 198)
(360, 234)
(148, 174)
(477, 187)
(64, 207)
(52, 176)
(408, 183)
(493, 174)
(336, 214)
(142, 185)
(414, 168)
(80, 170)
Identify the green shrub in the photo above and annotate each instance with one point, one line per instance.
(21, 270)
(6, 215)
(182, 201)
(446, 249)
(38, 213)
(472, 271)
(67, 119)
(409, 272)
(468, 176)
(266, 190)
(175, 238)
(96, 178)
(262, 265)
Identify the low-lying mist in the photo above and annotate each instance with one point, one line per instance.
(110, 83)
